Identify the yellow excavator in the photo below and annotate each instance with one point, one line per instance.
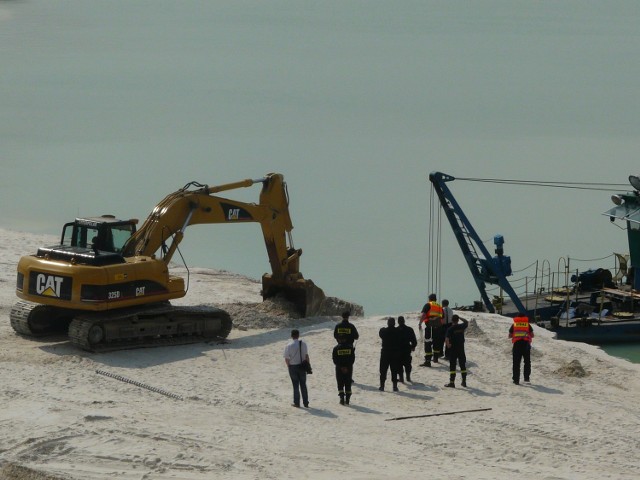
(109, 284)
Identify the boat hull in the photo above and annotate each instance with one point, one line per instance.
(600, 334)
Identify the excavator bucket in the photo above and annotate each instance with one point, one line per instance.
(303, 293)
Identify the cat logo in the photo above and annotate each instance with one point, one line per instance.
(234, 214)
(48, 285)
(52, 286)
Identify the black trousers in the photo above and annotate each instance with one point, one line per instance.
(428, 344)
(343, 379)
(438, 334)
(457, 356)
(405, 364)
(389, 360)
(521, 350)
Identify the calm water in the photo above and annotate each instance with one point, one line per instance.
(109, 106)
(629, 352)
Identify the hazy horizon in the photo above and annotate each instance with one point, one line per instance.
(109, 106)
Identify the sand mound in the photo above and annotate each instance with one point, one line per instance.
(278, 312)
(12, 471)
(473, 330)
(572, 369)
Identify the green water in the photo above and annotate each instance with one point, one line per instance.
(629, 351)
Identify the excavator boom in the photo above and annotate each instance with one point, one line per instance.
(195, 204)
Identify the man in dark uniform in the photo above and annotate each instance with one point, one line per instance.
(408, 344)
(454, 340)
(343, 358)
(521, 335)
(389, 353)
(345, 330)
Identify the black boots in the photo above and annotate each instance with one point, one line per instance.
(452, 381)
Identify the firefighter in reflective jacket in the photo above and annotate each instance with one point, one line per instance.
(343, 358)
(430, 317)
(521, 335)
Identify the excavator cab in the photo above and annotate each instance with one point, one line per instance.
(105, 233)
(95, 241)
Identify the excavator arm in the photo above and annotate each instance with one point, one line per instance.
(164, 229)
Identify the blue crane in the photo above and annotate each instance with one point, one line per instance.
(484, 268)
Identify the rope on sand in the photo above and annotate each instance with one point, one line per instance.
(139, 384)
(438, 414)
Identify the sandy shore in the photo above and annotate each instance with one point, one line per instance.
(223, 410)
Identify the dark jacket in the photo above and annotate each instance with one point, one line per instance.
(346, 331)
(455, 334)
(343, 355)
(407, 336)
(390, 339)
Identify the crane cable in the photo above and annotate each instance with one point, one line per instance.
(606, 187)
(434, 262)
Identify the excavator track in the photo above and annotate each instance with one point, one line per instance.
(35, 320)
(150, 326)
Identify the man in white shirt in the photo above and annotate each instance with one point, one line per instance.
(294, 353)
(446, 320)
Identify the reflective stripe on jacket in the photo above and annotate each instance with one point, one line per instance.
(434, 316)
(521, 330)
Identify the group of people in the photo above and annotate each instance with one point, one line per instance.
(442, 332)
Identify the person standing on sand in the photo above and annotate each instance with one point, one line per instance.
(294, 353)
(389, 353)
(408, 342)
(346, 332)
(521, 335)
(343, 358)
(430, 316)
(454, 340)
(447, 313)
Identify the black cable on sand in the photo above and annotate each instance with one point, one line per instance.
(438, 414)
(140, 384)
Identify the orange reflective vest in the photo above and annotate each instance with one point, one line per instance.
(435, 313)
(521, 330)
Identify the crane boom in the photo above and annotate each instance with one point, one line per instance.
(484, 268)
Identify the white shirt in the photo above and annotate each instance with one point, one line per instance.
(448, 313)
(292, 352)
